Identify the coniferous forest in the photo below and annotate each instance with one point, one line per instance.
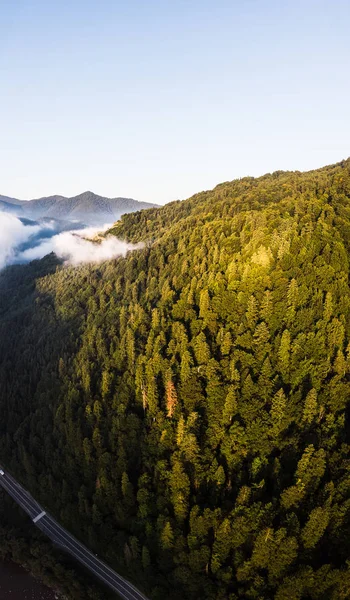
(185, 410)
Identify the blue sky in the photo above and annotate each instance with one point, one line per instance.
(158, 100)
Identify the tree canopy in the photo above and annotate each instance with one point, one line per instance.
(185, 409)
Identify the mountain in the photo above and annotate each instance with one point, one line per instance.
(88, 207)
(10, 205)
(185, 409)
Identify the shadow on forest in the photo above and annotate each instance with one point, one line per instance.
(32, 340)
(34, 336)
(17, 282)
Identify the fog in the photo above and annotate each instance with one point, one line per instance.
(22, 240)
(13, 232)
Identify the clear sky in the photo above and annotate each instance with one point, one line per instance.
(157, 100)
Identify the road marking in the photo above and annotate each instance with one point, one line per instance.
(42, 514)
(70, 543)
(87, 553)
(113, 583)
(16, 491)
(73, 546)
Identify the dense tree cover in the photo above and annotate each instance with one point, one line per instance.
(185, 409)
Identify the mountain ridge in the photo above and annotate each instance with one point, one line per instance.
(88, 207)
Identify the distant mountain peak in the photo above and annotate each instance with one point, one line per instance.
(88, 207)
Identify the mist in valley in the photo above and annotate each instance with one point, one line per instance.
(23, 240)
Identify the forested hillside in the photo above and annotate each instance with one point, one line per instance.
(185, 410)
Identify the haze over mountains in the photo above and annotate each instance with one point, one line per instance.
(31, 229)
(87, 207)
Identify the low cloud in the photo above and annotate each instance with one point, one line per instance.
(75, 249)
(13, 233)
(22, 242)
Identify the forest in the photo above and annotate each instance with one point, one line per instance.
(185, 410)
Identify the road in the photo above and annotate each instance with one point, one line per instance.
(65, 540)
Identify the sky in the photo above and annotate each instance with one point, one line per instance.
(159, 100)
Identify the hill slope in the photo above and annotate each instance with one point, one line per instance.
(185, 409)
(87, 207)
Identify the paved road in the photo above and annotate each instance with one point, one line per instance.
(63, 538)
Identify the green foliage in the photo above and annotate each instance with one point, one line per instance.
(185, 409)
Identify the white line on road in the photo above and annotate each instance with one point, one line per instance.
(77, 544)
(114, 583)
(74, 547)
(39, 517)
(96, 565)
(23, 497)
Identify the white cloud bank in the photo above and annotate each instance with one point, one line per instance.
(75, 249)
(12, 233)
(69, 246)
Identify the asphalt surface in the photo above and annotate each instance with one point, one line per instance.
(70, 544)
